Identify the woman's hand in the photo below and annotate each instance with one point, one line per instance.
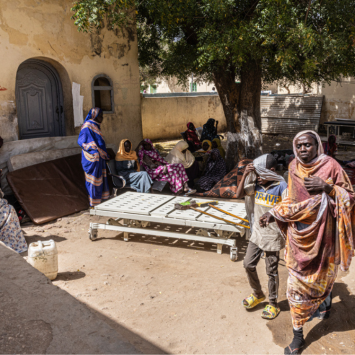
(165, 170)
(265, 219)
(316, 184)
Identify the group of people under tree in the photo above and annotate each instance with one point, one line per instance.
(311, 216)
(142, 166)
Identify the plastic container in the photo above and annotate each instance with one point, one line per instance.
(43, 256)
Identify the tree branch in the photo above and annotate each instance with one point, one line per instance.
(309, 6)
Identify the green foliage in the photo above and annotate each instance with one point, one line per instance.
(295, 40)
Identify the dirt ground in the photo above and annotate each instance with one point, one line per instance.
(174, 296)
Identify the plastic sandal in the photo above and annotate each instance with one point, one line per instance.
(190, 192)
(270, 312)
(252, 301)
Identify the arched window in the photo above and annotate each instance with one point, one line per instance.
(102, 93)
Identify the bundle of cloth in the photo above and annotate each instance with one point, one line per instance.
(228, 185)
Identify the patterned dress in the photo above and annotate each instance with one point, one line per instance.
(319, 230)
(176, 174)
(10, 231)
(93, 160)
(215, 171)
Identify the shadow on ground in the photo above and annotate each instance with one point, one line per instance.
(332, 335)
(177, 243)
(37, 317)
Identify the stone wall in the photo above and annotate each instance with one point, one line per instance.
(166, 117)
(44, 30)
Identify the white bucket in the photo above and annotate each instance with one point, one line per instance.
(44, 257)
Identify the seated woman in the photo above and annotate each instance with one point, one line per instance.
(10, 231)
(192, 138)
(181, 155)
(160, 170)
(216, 144)
(127, 165)
(210, 130)
(215, 171)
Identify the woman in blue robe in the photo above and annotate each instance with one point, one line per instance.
(127, 166)
(94, 156)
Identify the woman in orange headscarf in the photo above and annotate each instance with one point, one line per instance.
(127, 166)
(317, 220)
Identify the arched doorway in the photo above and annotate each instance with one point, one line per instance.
(39, 100)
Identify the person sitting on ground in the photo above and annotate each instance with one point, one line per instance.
(127, 166)
(216, 144)
(269, 189)
(94, 156)
(215, 170)
(160, 170)
(317, 221)
(10, 231)
(181, 155)
(209, 130)
(206, 147)
(192, 138)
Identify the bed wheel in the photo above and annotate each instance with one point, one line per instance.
(234, 253)
(92, 234)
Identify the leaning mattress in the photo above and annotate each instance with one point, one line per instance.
(50, 190)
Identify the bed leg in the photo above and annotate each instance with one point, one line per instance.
(125, 236)
(219, 248)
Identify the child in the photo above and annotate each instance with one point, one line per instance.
(268, 189)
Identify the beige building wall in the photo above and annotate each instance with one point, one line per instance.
(44, 30)
(167, 117)
(339, 98)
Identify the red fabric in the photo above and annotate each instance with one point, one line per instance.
(191, 134)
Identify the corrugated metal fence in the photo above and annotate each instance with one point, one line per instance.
(290, 114)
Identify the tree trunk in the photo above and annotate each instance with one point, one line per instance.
(241, 105)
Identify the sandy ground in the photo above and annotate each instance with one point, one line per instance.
(174, 296)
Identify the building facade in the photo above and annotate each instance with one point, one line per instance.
(43, 54)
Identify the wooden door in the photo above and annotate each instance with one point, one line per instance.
(39, 100)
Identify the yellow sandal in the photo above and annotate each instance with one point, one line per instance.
(270, 312)
(252, 301)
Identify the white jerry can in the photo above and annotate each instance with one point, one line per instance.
(44, 257)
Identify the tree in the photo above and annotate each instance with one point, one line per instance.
(252, 41)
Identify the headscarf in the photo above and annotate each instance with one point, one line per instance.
(177, 157)
(209, 130)
(220, 148)
(153, 154)
(191, 134)
(314, 253)
(93, 113)
(122, 155)
(315, 136)
(209, 144)
(327, 148)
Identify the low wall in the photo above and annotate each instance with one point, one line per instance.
(165, 117)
